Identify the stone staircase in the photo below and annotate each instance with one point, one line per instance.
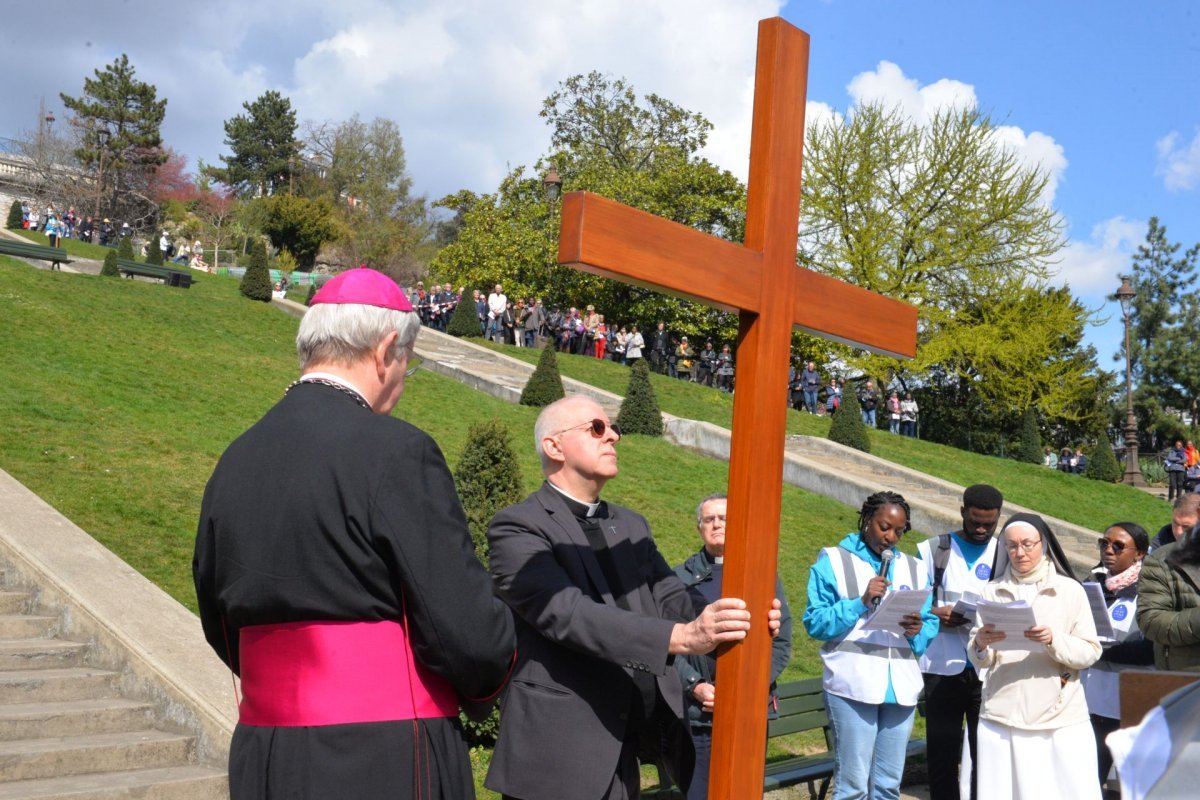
(66, 731)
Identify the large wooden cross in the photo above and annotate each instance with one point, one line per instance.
(762, 282)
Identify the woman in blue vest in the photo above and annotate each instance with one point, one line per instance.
(1122, 548)
(872, 678)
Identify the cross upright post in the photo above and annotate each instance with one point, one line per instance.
(759, 280)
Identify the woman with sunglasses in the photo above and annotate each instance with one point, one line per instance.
(1035, 737)
(872, 677)
(1122, 548)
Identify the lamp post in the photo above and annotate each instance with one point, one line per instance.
(553, 186)
(291, 171)
(1133, 470)
(102, 138)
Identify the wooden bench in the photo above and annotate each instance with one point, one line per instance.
(168, 275)
(55, 255)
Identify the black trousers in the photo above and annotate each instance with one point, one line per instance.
(1175, 483)
(1102, 727)
(948, 700)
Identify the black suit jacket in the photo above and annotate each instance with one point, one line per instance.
(565, 713)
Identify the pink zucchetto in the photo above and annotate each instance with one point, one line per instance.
(365, 287)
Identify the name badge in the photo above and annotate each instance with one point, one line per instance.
(1120, 611)
(983, 571)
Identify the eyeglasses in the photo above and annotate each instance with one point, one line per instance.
(1025, 547)
(598, 428)
(711, 518)
(1105, 544)
(414, 364)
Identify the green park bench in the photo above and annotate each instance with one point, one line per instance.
(169, 276)
(55, 255)
(801, 709)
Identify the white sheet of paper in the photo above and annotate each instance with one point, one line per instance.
(894, 607)
(966, 605)
(1095, 596)
(1013, 619)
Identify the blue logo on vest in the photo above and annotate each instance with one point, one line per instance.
(1120, 611)
(983, 571)
(905, 588)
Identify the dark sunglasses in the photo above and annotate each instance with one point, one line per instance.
(1117, 547)
(598, 427)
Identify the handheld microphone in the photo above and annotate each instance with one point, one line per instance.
(885, 559)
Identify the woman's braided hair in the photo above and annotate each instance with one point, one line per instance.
(878, 501)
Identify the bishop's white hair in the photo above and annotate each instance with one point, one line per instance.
(344, 333)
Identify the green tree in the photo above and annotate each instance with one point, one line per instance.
(299, 225)
(256, 283)
(131, 114)
(465, 320)
(125, 248)
(109, 269)
(1030, 448)
(153, 254)
(16, 217)
(639, 410)
(264, 145)
(312, 292)
(545, 384)
(1102, 463)
(488, 479)
(848, 427)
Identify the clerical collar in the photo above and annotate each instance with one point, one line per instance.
(335, 381)
(576, 504)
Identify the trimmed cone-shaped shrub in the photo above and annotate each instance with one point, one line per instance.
(312, 291)
(639, 410)
(464, 321)
(110, 265)
(256, 283)
(488, 479)
(545, 385)
(1102, 463)
(847, 427)
(125, 248)
(153, 254)
(1029, 449)
(15, 216)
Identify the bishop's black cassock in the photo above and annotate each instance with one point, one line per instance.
(322, 521)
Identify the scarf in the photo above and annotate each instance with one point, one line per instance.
(1115, 583)
(1037, 574)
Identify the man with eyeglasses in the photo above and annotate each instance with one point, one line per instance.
(958, 563)
(600, 618)
(702, 574)
(335, 574)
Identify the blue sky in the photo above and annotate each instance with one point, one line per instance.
(1102, 94)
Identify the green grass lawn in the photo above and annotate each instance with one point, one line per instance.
(74, 247)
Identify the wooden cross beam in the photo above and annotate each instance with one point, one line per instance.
(761, 281)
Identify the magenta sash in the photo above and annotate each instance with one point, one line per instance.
(334, 673)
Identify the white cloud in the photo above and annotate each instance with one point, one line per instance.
(889, 86)
(1092, 267)
(1179, 165)
(1038, 151)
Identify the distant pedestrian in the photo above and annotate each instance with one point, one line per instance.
(893, 406)
(869, 400)
(810, 384)
(908, 415)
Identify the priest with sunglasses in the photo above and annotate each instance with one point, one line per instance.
(600, 618)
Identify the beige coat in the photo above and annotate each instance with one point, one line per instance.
(1040, 691)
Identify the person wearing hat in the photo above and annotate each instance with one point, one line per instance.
(335, 574)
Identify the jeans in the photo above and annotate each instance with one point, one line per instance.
(869, 418)
(869, 746)
(894, 424)
(949, 700)
(810, 401)
(529, 337)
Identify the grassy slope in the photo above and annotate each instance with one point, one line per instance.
(74, 247)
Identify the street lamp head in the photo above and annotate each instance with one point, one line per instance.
(49, 118)
(553, 186)
(1126, 294)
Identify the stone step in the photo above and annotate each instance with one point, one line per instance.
(54, 685)
(73, 718)
(57, 757)
(171, 783)
(34, 653)
(15, 602)
(26, 626)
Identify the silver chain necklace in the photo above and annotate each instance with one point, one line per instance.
(358, 398)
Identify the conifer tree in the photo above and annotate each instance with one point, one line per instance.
(15, 216)
(153, 254)
(1102, 463)
(256, 283)
(110, 265)
(847, 427)
(125, 248)
(639, 410)
(488, 478)
(312, 291)
(1030, 448)
(464, 321)
(545, 385)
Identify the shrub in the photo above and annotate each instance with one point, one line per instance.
(110, 265)
(545, 385)
(847, 427)
(15, 216)
(125, 248)
(1102, 463)
(464, 321)
(1029, 449)
(312, 290)
(153, 254)
(639, 410)
(256, 283)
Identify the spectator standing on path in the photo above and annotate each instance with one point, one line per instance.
(600, 335)
(620, 345)
(1168, 609)
(660, 345)
(634, 345)
(869, 399)
(908, 415)
(1176, 465)
(52, 232)
(684, 360)
(1185, 513)
(833, 395)
(795, 387)
(702, 574)
(497, 302)
(725, 369)
(599, 616)
(893, 407)
(706, 364)
(810, 384)
(590, 322)
(534, 318)
(959, 563)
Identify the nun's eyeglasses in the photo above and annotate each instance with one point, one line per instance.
(1025, 547)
